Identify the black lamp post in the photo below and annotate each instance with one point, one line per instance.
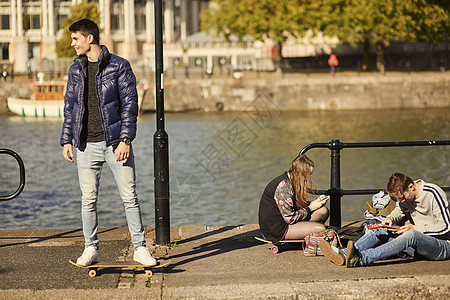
(160, 142)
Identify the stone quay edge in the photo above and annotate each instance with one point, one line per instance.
(223, 262)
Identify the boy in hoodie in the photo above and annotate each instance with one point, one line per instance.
(427, 236)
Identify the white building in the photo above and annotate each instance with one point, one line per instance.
(127, 29)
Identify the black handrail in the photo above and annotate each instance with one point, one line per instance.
(335, 190)
(21, 174)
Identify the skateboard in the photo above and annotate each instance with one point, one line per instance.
(277, 247)
(119, 264)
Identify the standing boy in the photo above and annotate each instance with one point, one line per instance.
(100, 115)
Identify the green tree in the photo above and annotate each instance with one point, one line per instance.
(261, 19)
(84, 10)
(355, 22)
(376, 22)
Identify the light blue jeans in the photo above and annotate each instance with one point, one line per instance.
(90, 160)
(412, 242)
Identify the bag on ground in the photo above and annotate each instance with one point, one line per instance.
(311, 245)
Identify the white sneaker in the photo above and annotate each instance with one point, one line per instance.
(89, 256)
(143, 256)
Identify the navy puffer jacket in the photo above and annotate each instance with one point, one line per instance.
(118, 101)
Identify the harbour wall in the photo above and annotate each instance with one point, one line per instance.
(302, 92)
(256, 92)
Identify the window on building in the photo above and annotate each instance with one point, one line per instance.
(35, 21)
(4, 51)
(31, 22)
(26, 22)
(59, 21)
(5, 22)
(140, 23)
(140, 19)
(115, 22)
(117, 15)
(34, 50)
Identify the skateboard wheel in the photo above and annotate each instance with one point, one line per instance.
(92, 273)
(148, 273)
(274, 249)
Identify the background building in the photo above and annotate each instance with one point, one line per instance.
(127, 29)
(29, 30)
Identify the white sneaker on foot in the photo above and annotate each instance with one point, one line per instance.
(143, 256)
(89, 256)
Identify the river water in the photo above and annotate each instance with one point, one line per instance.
(220, 163)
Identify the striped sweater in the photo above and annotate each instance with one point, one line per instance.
(429, 211)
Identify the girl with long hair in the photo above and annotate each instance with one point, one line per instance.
(284, 210)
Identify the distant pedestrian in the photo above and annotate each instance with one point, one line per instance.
(333, 62)
(427, 237)
(284, 212)
(100, 115)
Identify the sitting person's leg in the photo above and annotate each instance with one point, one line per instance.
(426, 246)
(372, 238)
(300, 230)
(320, 215)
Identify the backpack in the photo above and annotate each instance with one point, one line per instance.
(377, 209)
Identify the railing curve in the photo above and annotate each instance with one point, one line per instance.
(21, 174)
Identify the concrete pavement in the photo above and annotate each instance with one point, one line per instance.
(207, 263)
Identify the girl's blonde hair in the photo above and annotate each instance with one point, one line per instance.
(300, 172)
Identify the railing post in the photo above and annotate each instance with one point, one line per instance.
(335, 183)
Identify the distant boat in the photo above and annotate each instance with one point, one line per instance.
(47, 101)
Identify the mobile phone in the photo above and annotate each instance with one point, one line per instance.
(327, 197)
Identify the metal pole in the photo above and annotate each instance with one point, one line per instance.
(160, 142)
(335, 183)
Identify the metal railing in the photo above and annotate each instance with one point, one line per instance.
(21, 174)
(335, 190)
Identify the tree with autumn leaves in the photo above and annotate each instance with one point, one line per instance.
(369, 22)
(354, 22)
(276, 20)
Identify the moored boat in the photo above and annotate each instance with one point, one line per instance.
(47, 100)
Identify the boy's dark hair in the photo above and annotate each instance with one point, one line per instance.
(86, 27)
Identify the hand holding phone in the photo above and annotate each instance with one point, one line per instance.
(319, 202)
